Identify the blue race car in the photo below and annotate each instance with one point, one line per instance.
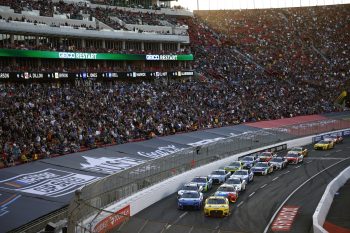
(243, 174)
(190, 199)
(189, 187)
(248, 162)
(219, 176)
(204, 181)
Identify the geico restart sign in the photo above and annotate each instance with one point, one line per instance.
(68, 55)
(161, 57)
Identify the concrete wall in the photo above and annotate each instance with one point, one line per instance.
(326, 201)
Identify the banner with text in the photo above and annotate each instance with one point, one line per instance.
(20, 76)
(93, 56)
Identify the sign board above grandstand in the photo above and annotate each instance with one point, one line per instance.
(99, 76)
(93, 56)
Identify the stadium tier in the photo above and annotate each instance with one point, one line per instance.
(78, 75)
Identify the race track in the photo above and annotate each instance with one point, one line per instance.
(300, 186)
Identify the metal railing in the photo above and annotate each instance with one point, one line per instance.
(93, 198)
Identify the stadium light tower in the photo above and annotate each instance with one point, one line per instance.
(197, 5)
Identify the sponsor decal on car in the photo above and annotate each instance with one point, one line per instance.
(48, 182)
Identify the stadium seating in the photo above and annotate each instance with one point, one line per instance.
(252, 65)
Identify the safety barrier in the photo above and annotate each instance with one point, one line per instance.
(326, 201)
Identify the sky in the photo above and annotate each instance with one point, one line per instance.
(251, 4)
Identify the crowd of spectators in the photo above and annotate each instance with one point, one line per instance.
(36, 22)
(253, 65)
(309, 43)
(41, 120)
(45, 7)
(107, 15)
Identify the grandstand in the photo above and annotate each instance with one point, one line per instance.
(80, 75)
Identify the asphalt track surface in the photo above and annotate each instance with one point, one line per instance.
(298, 185)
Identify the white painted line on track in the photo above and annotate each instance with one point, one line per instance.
(297, 166)
(275, 178)
(191, 229)
(166, 227)
(251, 194)
(183, 215)
(263, 186)
(143, 226)
(241, 203)
(286, 172)
(328, 154)
(323, 158)
(338, 151)
(178, 219)
(309, 162)
(295, 190)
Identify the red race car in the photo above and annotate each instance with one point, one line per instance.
(266, 156)
(294, 157)
(334, 139)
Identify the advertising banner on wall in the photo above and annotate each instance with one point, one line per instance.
(21, 76)
(93, 56)
(344, 133)
(113, 220)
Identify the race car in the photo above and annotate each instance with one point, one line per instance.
(216, 206)
(237, 183)
(300, 150)
(219, 176)
(244, 174)
(190, 199)
(266, 156)
(335, 139)
(189, 187)
(262, 168)
(234, 166)
(294, 157)
(324, 145)
(248, 162)
(279, 163)
(205, 182)
(227, 191)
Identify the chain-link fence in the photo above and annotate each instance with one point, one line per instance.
(93, 198)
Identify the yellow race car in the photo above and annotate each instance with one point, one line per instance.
(324, 145)
(234, 166)
(300, 150)
(216, 206)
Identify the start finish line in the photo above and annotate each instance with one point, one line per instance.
(285, 218)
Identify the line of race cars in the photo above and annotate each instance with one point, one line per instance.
(328, 142)
(233, 178)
